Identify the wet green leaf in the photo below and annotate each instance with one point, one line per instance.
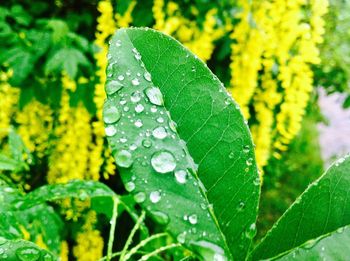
(321, 209)
(181, 143)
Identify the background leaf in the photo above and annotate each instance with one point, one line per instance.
(321, 209)
(210, 131)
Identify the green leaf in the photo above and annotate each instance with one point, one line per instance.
(7, 163)
(23, 250)
(67, 59)
(181, 143)
(334, 246)
(321, 209)
(77, 189)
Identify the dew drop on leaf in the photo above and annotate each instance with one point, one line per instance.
(249, 161)
(28, 254)
(135, 82)
(155, 196)
(120, 77)
(123, 158)
(193, 219)
(110, 130)
(140, 197)
(111, 113)
(161, 217)
(135, 96)
(181, 176)
(163, 161)
(113, 86)
(139, 108)
(181, 238)
(138, 123)
(154, 95)
(147, 143)
(159, 133)
(246, 148)
(147, 76)
(251, 231)
(130, 186)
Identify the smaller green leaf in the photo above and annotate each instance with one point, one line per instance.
(334, 246)
(7, 163)
(321, 209)
(23, 250)
(77, 189)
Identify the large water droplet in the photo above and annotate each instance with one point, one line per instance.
(113, 86)
(159, 132)
(154, 95)
(140, 197)
(135, 82)
(251, 231)
(28, 254)
(110, 130)
(193, 219)
(161, 217)
(147, 76)
(155, 196)
(123, 158)
(111, 113)
(139, 108)
(163, 161)
(181, 176)
(130, 186)
(135, 96)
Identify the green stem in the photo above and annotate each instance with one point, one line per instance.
(142, 243)
(157, 251)
(131, 235)
(112, 230)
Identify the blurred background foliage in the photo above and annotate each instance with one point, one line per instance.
(269, 54)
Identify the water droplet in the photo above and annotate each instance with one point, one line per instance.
(154, 95)
(139, 108)
(120, 77)
(240, 206)
(2, 240)
(181, 176)
(123, 158)
(138, 123)
(28, 254)
(159, 133)
(193, 219)
(138, 56)
(181, 238)
(48, 257)
(256, 181)
(249, 161)
(160, 119)
(133, 147)
(227, 101)
(135, 96)
(130, 186)
(161, 217)
(113, 86)
(251, 231)
(110, 130)
(246, 148)
(163, 161)
(173, 126)
(118, 43)
(126, 109)
(155, 196)
(147, 143)
(231, 155)
(111, 113)
(147, 76)
(209, 251)
(153, 109)
(135, 82)
(140, 197)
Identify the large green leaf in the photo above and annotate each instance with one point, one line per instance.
(23, 250)
(181, 143)
(321, 209)
(334, 246)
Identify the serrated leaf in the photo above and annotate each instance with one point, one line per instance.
(199, 178)
(321, 209)
(23, 250)
(334, 246)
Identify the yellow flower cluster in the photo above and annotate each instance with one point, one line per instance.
(170, 21)
(89, 241)
(273, 48)
(123, 20)
(70, 156)
(8, 103)
(35, 125)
